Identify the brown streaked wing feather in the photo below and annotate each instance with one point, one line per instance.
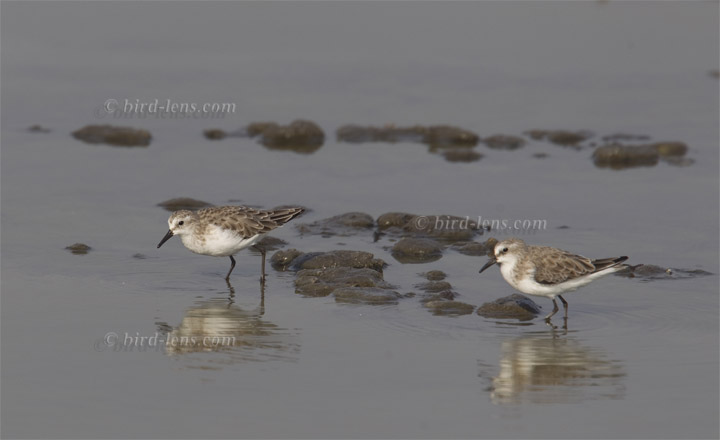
(561, 266)
(282, 216)
(248, 221)
(605, 263)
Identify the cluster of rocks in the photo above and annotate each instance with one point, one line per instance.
(299, 136)
(350, 276)
(417, 238)
(455, 144)
(439, 298)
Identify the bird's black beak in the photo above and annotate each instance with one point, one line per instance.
(490, 262)
(165, 238)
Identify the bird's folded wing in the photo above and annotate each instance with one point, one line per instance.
(561, 266)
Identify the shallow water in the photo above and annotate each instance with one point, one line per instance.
(639, 357)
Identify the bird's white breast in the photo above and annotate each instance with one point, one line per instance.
(218, 242)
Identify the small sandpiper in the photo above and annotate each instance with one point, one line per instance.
(546, 271)
(223, 231)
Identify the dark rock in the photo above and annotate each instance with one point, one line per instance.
(504, 142)
(447, 228)
(416, 250)
(38, 129)
(666, 149)
(179, 203)
(449, 308)
(343, 225)
(473, 248)
(445, 295)
(394, 219)
(112, 135)
(619, 157)
(389, 133)
(461, 155)
(342, 258)
(559, 137)
(441, 136)
(515, 306)
(540, 155)
(366, 295)
(322, 282)
(79, 248)
(214, 134)
(650, 272)
(300, 136)
(434, 275)
(257, 128)
(282, 259)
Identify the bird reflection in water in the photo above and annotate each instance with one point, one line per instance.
(237, 334)
(542, 369)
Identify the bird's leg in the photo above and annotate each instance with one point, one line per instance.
(231, 289)
(262, 252)
(554, 311)
(565, 304)
(232, 266)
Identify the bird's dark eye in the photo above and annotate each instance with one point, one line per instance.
(181, 223)
(504, 250)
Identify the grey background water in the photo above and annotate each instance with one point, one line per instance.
(640, 358)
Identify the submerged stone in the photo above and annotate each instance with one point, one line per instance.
(560, 137)
(113, 135)
(38, 129)
(666, 149)
(366, 295)
(650, 272)
(281, 260)
(416, 250)
(619, 157)
(447, 228)
(449, 308)
(434, 286)
(504, 142)
(473, 248)
(440, 136)
(434, 275)
(340, 258)
(299, 136)
(343, 225)
(394, 219)
(323, 282)
(79, 248)
(214, 134)
(515, 306)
